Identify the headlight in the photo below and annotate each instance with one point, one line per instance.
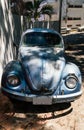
(13, 80)
(71, 82)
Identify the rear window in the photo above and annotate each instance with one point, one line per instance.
(41, 39)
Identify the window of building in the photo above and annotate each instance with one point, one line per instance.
(74, 18)
(75, 6)
(69, 26)
(78, 25)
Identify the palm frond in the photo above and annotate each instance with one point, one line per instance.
(29, 6)
(47, 13)
(37, 3)
(47, 7)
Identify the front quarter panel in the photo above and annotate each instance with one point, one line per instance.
(13, 67)
(71, 69)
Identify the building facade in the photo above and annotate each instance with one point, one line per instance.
(73, 13)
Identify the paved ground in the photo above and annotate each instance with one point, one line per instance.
(56, 117)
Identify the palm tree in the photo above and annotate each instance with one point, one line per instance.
(34, 10)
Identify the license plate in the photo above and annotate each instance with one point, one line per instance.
(42, 100)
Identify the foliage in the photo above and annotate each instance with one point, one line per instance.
(37, 8)
(33, 9)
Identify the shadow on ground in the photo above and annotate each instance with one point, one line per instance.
(25, 107)
(25, 115)
(15, 106)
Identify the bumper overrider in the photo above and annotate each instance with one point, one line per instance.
(42, 100)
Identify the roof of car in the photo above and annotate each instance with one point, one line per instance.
(40, 30)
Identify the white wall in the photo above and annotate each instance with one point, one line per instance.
(73, 12)
(8, 33)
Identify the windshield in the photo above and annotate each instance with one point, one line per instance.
(41, 39)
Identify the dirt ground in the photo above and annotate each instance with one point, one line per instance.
(24, 116)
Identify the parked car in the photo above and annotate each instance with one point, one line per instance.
(41, 74)
(65, 30)
(80, 29)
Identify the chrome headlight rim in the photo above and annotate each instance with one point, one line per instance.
(13, 80)
(72, 78)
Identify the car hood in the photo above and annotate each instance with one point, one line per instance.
(43, 67)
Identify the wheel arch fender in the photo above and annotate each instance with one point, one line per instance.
(72, 69)
(13, 67)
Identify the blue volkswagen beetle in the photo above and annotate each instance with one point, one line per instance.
(41, 74)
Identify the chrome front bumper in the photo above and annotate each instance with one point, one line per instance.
(42, 100)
